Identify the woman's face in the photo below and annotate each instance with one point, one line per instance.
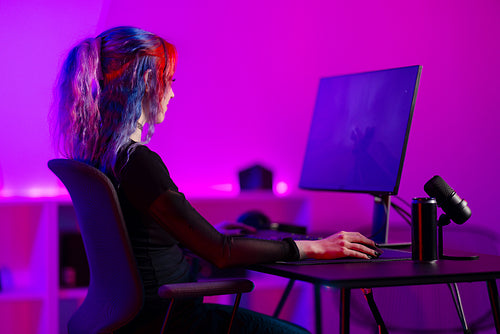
(169, 93)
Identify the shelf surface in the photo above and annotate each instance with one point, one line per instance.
(22, 295)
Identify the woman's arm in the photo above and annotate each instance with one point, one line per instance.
(174, 213)
(146, 183)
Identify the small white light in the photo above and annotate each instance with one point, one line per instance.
(281, 188)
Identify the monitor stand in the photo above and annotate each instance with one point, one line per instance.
(380, 225)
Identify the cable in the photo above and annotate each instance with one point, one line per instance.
(403, 213)
(376, 314)
(403, 200)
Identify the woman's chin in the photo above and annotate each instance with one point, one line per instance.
(160, 118)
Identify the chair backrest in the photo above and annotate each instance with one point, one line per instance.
(115, 293)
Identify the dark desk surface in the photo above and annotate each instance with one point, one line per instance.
(388, 273)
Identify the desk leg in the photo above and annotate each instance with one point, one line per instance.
(345, 305)
(317, 305)
(495, 307)
(283, 298)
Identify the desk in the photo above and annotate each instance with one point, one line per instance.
(355, 275)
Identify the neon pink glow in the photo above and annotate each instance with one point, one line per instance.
(281, 188)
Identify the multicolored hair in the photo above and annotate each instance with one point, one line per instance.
(101, 90)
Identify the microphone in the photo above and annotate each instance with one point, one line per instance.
(447, 199)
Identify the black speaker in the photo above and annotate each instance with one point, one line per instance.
(256, 178)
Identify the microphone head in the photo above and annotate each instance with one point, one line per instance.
(439, 189)
(446, 198)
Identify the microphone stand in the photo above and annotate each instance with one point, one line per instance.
(443, 221)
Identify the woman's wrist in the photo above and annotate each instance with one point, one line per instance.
(306, 249)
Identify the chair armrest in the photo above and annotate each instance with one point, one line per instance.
(205, 288)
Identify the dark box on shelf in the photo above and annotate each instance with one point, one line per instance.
(255, 178)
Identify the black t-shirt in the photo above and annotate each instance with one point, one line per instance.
(159, 218)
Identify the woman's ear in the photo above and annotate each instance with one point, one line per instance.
(147, 74)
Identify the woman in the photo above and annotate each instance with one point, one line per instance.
(109, 88)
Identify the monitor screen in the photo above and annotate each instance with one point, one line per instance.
(359, 131)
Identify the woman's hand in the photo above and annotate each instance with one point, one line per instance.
(341, 244)
(234, 228)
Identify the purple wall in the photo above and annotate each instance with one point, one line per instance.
(246, 84)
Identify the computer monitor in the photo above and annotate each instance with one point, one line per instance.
(358, 136)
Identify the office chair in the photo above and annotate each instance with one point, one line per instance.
(115, 293)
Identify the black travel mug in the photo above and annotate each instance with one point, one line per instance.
(423, 229)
